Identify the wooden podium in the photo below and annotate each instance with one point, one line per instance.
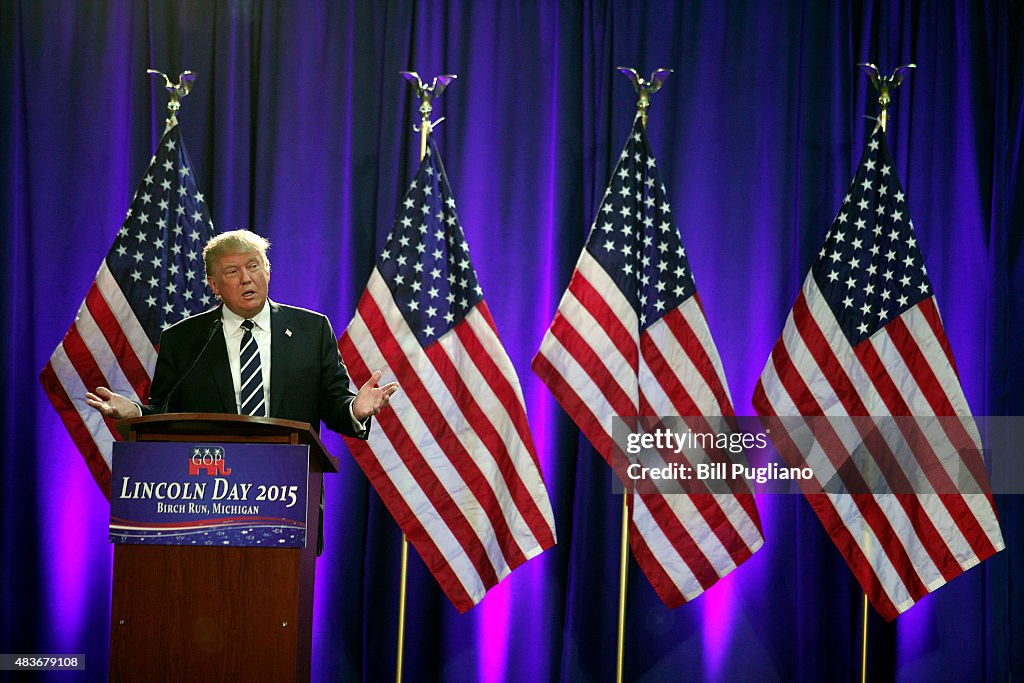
(193, 613)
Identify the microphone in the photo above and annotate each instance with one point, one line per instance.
(214, 328)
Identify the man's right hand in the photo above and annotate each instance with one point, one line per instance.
(112, 405)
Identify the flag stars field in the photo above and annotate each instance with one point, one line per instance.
(879, 262)
(436, 245)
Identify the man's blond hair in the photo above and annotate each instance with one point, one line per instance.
(234, 242)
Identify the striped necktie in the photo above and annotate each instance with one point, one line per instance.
(251, 396)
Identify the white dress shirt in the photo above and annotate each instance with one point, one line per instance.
(233, 340)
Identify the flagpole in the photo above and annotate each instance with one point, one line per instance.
(402, 582)
(644, 89)
(884, 85)
(623, 569)
(425, 93)
(864, 641)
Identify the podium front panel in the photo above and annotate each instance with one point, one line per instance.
(209, 494)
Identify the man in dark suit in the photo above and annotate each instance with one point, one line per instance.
(251, 355)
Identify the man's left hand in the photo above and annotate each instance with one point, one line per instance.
(372, 399)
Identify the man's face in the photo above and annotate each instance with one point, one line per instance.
(241, 280)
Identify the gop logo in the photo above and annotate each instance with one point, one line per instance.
(211, 460)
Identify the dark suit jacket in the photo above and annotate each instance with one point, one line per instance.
(308, 380)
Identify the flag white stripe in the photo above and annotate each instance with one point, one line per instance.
(674, 564)
(707, 404)
(845, 508)
(935, 356)
(130, 326)
(73, 387)
(103, 355)
(599, 279)
(895, 518)
(595, 336)
(517, 452)
(402, 479)
(415, 424)
(682, 365)
(698, 323)
(565, 363)
(689, 518)
(938, 440)
(484, 459)
(918, 406)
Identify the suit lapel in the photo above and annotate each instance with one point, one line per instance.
(222, 369)
(279, 356)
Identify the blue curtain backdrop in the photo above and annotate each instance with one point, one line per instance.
(300, 128)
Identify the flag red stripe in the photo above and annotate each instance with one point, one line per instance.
(404, 516)
(485, 313)
(691, 344)
(905, 343)
(830, 366)
(930, 312)
(925, 379)
(832, 445)
(484, 427)
(679, 536)
(80, 434)
(805, 403)
(438, 426)
(82, 360)
(830, 519)
(791, 382)
(499, 382)
(652, 568)
(468, 467)
(908, 349)
(665, 376)
(860, 565)
(598, 307)
(686, 408)
(118, 342)
(409, 523)
(917, 365)
(573, 405)
(593, 365)
(706, 505)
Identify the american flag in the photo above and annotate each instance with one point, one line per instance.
(152, 276)
(630, 338)
(453, 459)
(864, 338)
